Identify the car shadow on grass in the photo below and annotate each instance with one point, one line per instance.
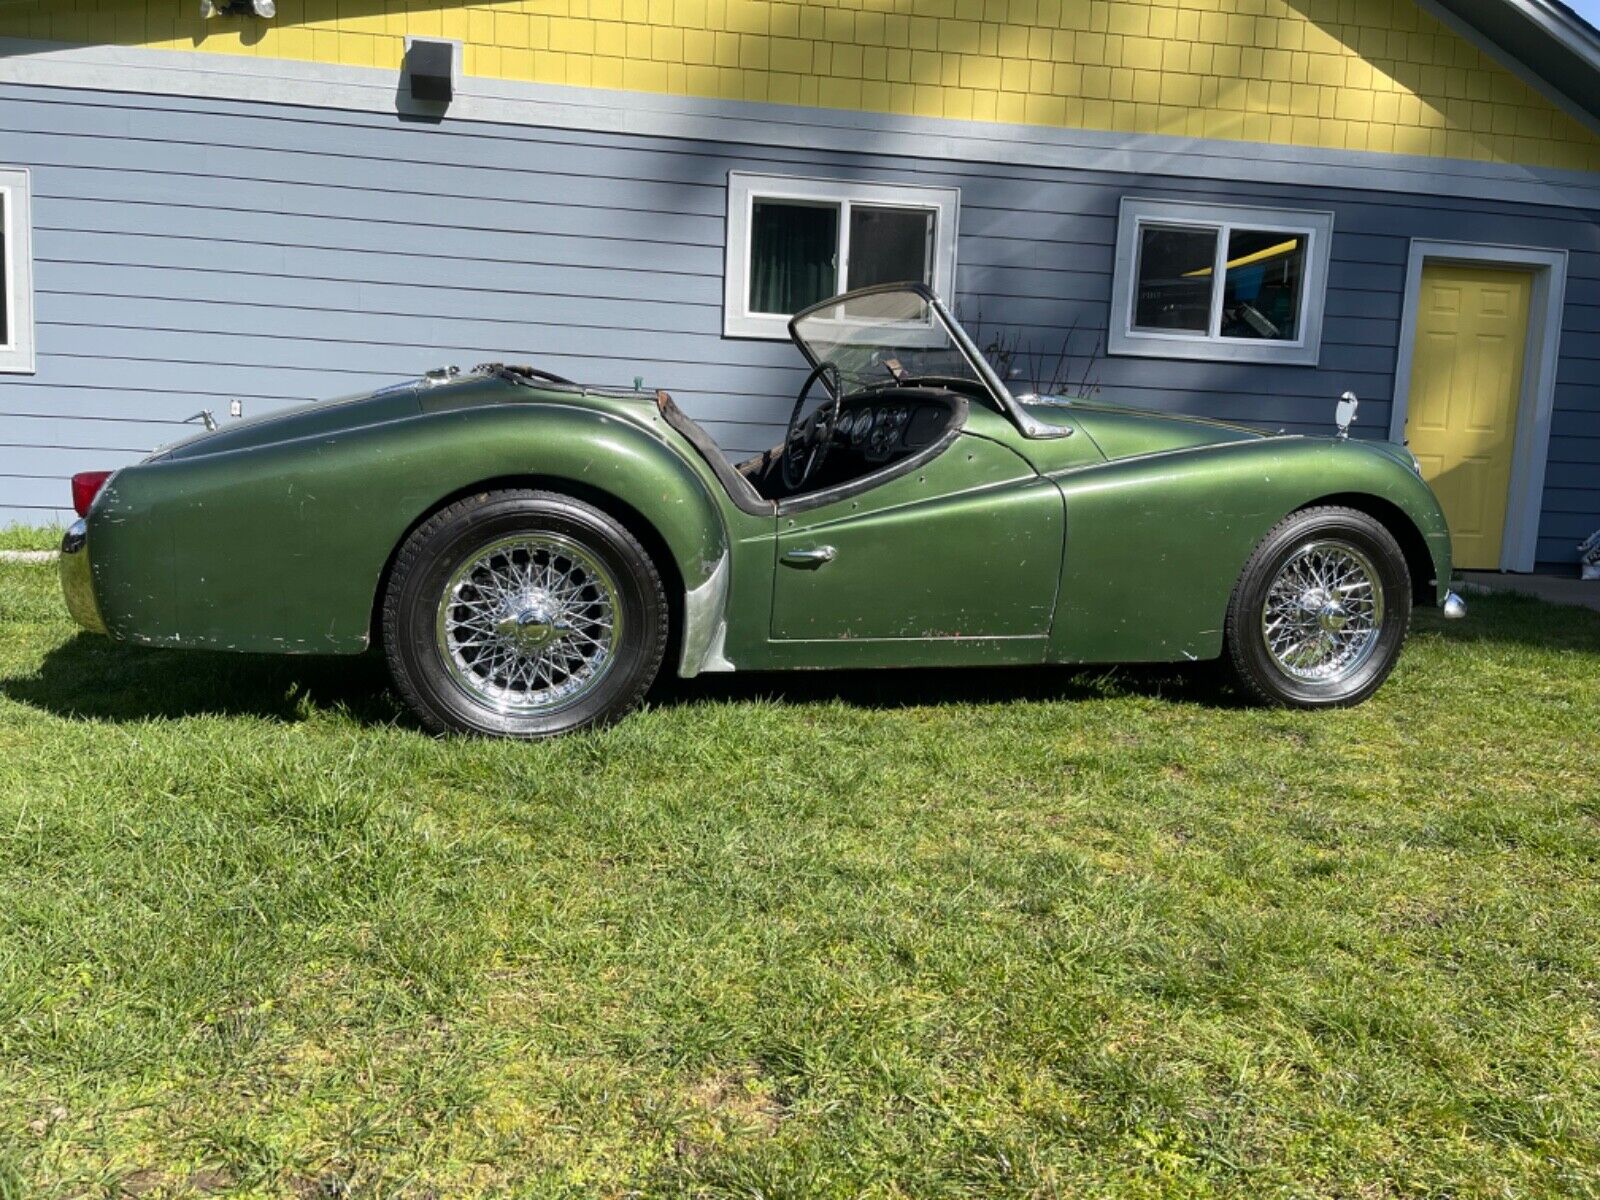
(920, 687)
(90, 677)
(95, 678)
(1513, 619)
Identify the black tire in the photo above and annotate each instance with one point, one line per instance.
(448, 682)
(1355, 540)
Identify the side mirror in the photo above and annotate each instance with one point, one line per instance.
(1344, 415)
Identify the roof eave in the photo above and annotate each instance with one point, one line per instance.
(1544, 42)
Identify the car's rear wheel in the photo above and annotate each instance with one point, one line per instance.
(522, 614)
(1321, 610)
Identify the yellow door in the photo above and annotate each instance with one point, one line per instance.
(1466, 382)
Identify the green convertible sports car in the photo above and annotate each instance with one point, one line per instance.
(529, 550)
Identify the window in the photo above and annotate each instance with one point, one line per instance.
(1219, 281)
(16, 267)
(794, 242)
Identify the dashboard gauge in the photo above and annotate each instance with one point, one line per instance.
(863, 426)
(882, 434)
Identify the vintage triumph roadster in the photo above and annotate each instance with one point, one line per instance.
(528, 550)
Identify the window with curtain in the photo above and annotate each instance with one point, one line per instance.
(795, 242)
(5, 272)
(794, 255)
(1219, 281)
(16, 273)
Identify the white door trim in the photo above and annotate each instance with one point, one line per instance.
(1519, 545)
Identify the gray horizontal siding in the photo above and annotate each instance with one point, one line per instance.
(487, 148)
(191, 252)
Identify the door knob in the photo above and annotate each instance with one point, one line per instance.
(814, 556)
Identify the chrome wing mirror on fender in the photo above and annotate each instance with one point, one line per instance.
(1344, 415)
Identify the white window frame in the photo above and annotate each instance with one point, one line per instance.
(745, 188)
(1138, 211)
(16, 355)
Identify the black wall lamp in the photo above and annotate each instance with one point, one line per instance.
(430, 69)
(265, 9)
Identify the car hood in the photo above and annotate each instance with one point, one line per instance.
(410, 399)
(1123, 432)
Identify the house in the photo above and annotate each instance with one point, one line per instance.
(1234, 208)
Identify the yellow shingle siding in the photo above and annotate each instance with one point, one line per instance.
(1342, 74)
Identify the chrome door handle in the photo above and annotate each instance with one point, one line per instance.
(813, 557)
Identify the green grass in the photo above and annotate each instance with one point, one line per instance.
(27, 537)
(924, 934)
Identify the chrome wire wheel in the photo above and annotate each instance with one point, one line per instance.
(1323, 614)
(529, 625)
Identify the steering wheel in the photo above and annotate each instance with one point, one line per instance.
(806, 442)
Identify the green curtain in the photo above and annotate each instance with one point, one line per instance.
(792, 250)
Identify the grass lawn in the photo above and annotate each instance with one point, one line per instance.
(921, 935)
(27, 537)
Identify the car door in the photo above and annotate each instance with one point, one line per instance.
(965, 546)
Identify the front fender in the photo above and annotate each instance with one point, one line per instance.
(282, 547)
(1155, 544)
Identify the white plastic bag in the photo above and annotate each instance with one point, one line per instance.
(1589, 555)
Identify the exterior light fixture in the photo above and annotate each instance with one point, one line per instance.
(430, 68)
(265, 9)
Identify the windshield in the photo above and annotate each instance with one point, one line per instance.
(895, 336)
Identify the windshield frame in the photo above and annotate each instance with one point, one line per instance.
(1026, 423)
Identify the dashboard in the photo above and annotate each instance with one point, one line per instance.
(874, 431)
(883, 429)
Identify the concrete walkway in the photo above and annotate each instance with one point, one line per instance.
(1557, 589)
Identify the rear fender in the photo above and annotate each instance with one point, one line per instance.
(282, 547)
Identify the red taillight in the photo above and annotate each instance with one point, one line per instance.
(86, 486)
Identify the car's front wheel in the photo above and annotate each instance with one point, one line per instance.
(1321, 610)
(522, 614)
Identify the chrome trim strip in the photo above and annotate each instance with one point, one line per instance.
(77, 578)
(705, 624)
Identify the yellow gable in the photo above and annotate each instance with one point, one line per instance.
(1340, 74)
